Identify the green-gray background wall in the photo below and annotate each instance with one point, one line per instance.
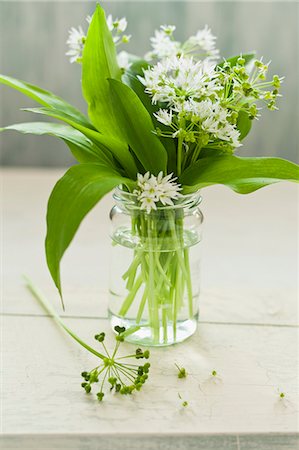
(33, 35)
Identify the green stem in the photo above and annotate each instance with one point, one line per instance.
(189, 282)
(130, 297)
(179, 157)
(154, 311)
(142, 305)
(48, 308)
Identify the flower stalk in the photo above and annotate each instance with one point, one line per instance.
(123, 378)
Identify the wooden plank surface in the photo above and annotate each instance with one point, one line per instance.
(247, 332)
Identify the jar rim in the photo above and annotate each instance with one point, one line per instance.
(130, 200)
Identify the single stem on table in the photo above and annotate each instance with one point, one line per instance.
(48, 308)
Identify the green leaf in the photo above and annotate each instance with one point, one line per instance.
(243, 175)
(234, 59)
(82, 148)
(118, 148)
(99, 63)
(130, 78)
(73, 196)
(45, 98)
(243, 124)
(137, 127)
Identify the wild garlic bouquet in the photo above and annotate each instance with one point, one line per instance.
(160, 127)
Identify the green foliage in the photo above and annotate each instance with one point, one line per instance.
(243, 175)
(99, 63)
(243, 124)
(108, 144)
(81, 147)
(137, 127)
(73, 196)
(45, 98)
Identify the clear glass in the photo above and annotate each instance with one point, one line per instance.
(154, 273)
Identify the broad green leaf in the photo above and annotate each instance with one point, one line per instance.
(243, 175)
(82, 148)
(73, 196)
(137, 127)
(45, 98)
(99, 63)
(243, 124)
(118, 148)
(234, 59)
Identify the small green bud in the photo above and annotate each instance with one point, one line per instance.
(276, 81)
(258, 64)
(100, 396)
(241, 61)
(119, 329)
(125, 38)
(125, 390)
(112, 381)
(117, 387)
(281, 395)
(139, 353)
(100, 337)
(182, 372)
(184, 404)
(146, 367)
(146, 354)
(214, 373)
(87, 388)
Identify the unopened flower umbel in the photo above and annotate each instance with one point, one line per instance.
(160, 128)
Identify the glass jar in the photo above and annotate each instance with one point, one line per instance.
(154, 273)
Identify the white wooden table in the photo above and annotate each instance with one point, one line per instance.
(248, 332)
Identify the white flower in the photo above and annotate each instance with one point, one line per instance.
(118, 25)
(76, 43)
(154, 189)
(168, 29)
(164, 116)
(205, 40)
(148, 203)
(142, 179)
(122, 25)
(162, 44)
(229, 133)
(123, 60)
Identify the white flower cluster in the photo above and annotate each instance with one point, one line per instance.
(191, 92)
(201, 45)
(175, 79)
(77, 37)
(152, 189)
